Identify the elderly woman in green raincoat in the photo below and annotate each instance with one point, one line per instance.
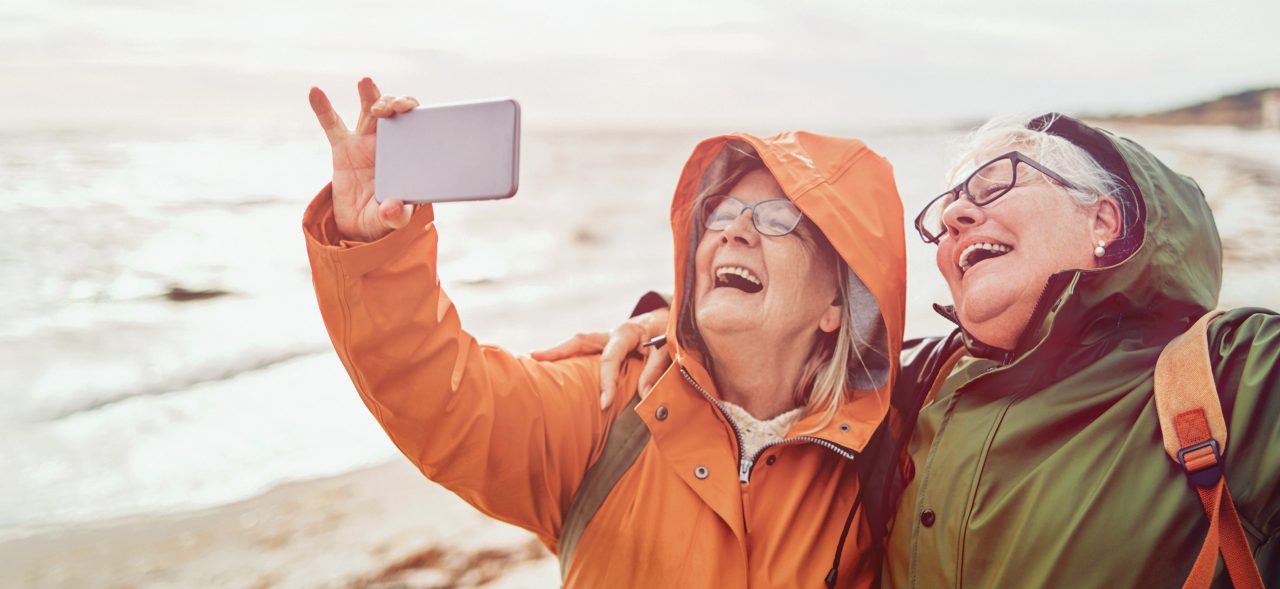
(1029, 452)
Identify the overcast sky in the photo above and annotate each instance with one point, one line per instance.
(710, 63)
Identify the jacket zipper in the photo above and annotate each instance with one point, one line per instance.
(745, 464)
(737, 434)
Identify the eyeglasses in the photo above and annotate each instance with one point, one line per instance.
(775, 216)
(989, 182)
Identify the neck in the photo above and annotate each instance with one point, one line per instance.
(759, 374)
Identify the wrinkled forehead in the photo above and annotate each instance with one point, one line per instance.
(755, 186)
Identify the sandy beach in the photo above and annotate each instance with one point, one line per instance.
(387, 526)
(382, 527)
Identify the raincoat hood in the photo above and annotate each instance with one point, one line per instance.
(1173, 275)
(848, 192)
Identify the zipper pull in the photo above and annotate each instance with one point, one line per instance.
(744, 470)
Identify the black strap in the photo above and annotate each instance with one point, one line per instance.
(626, 439)
(835, 564)
(881, 479)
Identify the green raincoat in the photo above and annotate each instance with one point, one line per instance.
(1044, 466)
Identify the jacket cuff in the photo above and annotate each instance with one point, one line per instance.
(357, 257)
(651, 300)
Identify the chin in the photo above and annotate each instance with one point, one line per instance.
(994, 324)
(981, 311)
(720, 320)
(982, 297)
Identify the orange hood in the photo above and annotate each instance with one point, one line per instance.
(848, 191)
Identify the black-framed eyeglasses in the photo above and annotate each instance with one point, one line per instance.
(989, 182)
(774, 217)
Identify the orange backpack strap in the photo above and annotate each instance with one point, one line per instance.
(1195, 437)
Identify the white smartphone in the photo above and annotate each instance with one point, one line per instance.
(449, 152)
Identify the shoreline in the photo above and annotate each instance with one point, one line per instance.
(387, 524)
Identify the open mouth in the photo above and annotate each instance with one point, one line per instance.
(739, 278)
(980, 252)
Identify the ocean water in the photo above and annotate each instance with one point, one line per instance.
(119, 400)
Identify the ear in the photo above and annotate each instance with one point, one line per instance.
(1107, 220)
(830, 320)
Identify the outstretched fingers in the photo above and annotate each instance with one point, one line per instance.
(369, 95)
(332, 124)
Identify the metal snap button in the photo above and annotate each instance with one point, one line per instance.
(661, 413)
(701, 472)
(772, 459)
(844, 427)
(927, 517)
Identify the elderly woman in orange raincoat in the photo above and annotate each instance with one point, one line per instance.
(785, 333)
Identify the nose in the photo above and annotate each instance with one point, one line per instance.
(962, 214)
(742, 230)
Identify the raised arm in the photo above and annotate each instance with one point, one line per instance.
(511, 435)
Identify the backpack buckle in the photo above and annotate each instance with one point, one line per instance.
(1203, 462)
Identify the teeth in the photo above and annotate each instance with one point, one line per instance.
(966, 257)
(737, 271)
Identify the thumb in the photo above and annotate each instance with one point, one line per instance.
(394, 213)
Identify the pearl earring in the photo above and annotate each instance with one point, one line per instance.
(1100, 251)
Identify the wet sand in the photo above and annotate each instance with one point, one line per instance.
(381, 527)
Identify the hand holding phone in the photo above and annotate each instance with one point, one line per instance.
(358, 215)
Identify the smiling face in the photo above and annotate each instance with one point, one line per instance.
(766, 288)
(997, 259)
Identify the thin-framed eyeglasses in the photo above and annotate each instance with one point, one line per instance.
(774, 217)
(984, 186)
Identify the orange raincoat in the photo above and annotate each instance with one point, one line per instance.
(514, 437)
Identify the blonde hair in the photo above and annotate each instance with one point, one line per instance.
(843, 361)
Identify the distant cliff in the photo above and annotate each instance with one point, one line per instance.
(1256, 109)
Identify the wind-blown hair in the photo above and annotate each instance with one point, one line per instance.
(854, 357)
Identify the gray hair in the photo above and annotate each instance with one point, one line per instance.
(1092, 181)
